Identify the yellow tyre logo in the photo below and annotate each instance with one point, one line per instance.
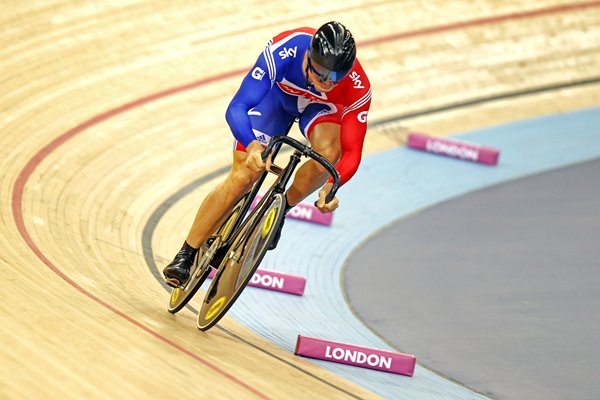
(268, 222)
(214, 309)
(174, 296)
(228, 224)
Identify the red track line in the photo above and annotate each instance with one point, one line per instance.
(17, 209)
(482, 21)
(36, 160)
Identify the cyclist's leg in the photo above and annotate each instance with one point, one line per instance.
(221, 199)
(321, 125)
(210, 213)
(267, 119)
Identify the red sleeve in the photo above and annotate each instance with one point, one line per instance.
(355, 95)
(352, 136)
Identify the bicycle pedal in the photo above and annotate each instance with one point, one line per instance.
(174, 283)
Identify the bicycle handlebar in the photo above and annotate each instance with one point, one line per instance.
(307, 152)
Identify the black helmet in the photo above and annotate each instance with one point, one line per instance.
(332, 47)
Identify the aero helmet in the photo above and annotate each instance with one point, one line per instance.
(332, 47)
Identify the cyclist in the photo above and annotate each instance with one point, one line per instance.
(307, 75)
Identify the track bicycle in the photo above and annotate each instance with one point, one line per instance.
(212, 251)
(241, 242)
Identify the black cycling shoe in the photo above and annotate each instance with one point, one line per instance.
(277, 235)
(178, 272)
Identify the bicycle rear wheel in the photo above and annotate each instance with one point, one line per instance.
(245, 254)
(210, 250)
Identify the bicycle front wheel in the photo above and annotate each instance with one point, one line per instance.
(246, 252)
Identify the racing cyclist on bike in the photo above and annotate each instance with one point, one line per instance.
(305, 75)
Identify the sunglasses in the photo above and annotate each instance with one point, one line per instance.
(325, 75)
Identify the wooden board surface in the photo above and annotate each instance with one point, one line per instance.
(108, 108)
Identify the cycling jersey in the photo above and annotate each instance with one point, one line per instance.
(275, 92)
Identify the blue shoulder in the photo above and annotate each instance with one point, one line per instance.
(283, 50)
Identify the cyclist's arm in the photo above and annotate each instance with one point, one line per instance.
(352, 138)
(253, 89)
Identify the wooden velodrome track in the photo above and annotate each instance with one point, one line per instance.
(107, 108)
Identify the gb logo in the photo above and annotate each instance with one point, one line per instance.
(362, 117)
(258, 73)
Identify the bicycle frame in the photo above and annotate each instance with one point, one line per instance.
(285, 174)
(254, 232)
(235, 250)
(228, 245)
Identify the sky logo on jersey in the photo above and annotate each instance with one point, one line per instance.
(356, 80)
(258, 73)
(285, 53)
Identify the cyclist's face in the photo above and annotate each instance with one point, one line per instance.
(314, 78)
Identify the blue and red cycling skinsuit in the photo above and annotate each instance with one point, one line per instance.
(275, 93)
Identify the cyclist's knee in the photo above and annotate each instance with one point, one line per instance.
(240, 178)
(331, 153)
(325, 140)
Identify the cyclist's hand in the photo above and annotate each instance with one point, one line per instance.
(254, 160)
(326, 207)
